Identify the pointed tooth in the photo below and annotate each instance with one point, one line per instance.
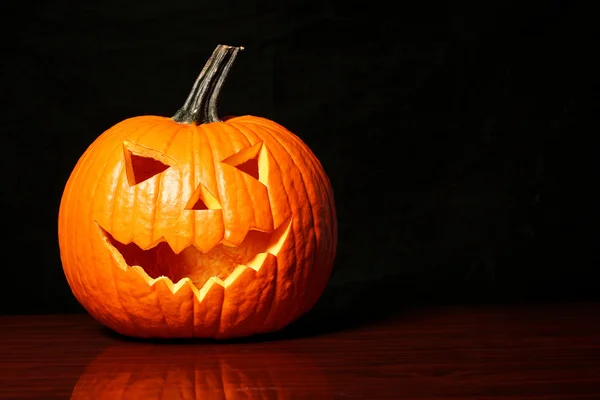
(210, 283)
(185, 282)
(235, 238)
(175, 306)
(279, 236)
(142, 273)
(257, 261)
(178, 243)
(145, 242)
(206, 239)
(163, 280)
(208, 306)
(150, 244)
(140, 302)
(237, 272)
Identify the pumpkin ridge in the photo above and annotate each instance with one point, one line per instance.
(203, 136)
(142, 132)
(247, 193)
(111, 134)
(137, 189)
(272, 159)
(159, 186)
(191, 216)
(308, 270)
(332, 231)
(276, 165)
(328, 194)
(316, 164)
(113, 279)
(222, 148)
(64, 211)
(270, 126)
(85, 170)
(158, 303)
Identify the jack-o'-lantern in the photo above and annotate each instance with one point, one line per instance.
(195, 227)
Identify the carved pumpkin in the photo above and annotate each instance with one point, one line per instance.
(141, 371)
(195, 227)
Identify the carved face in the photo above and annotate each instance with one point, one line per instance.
(189, 234)
(222, 229)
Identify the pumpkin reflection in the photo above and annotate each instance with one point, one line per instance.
(146, 371)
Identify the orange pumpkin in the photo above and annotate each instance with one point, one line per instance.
(195, 227)
(144, 371)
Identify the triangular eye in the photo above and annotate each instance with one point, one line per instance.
(142, 164)
(203, 199)
(246, 160)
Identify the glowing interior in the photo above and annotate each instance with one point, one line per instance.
(192, 263)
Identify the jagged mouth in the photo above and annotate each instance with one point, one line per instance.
(222, 264)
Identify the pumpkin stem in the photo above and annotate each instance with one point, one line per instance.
(201, 104)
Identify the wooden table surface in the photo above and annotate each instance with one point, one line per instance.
(486, 352)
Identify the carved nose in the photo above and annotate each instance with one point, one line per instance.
(203, 199)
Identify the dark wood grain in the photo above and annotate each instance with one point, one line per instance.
(500, 352)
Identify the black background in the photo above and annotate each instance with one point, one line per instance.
(458, 137)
